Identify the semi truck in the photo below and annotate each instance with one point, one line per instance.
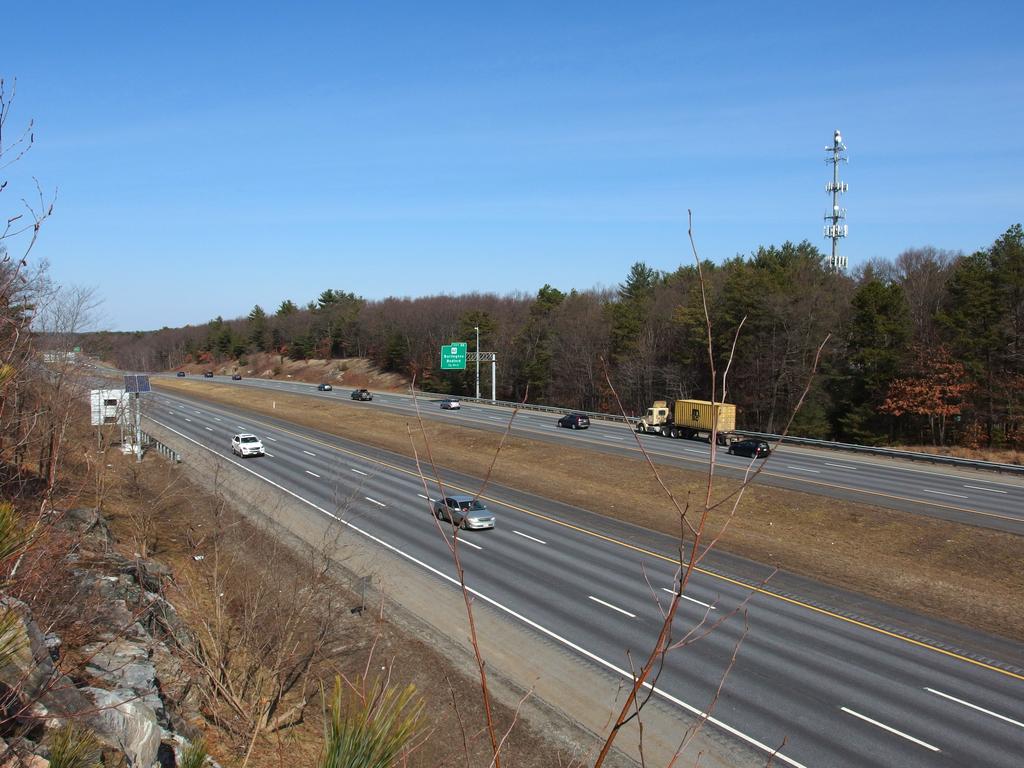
(693, 419)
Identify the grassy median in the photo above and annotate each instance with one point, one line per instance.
(965, 574)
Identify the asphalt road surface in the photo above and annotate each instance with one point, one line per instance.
(825, 689)
(974, 497)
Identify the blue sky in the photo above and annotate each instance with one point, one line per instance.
(211, 157)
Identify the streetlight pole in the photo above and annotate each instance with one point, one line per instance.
(477, 329)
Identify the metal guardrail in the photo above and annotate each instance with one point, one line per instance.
(870, 450)
(894, 453)
(534, 407)
(148, 441)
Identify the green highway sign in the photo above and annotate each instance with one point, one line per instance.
(453, 356)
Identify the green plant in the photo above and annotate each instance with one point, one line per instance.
(73, 747)
(194, 755)
(370, 724)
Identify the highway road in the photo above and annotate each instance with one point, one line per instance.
(974, 497)
(831, 689)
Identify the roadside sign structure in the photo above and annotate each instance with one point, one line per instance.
(134, 385)
(453, 356)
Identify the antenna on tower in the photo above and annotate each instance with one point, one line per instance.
(835, 229)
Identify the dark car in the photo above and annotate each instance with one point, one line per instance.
(208, 374)
(574, 421)
(236, 377)
(180, 373)
(753, 449)
(324, 387)
(362, 394)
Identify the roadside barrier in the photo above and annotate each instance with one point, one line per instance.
(932, 458)
(148, 441)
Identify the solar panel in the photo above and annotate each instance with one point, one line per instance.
(136, 383)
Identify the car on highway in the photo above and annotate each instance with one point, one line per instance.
(362, 394)
(180, 373)
(324, 387)
(574, 421)
(450, 404)
(245, 444)
(208, 374)
(236, 377)
(464, 511)
(753, 449)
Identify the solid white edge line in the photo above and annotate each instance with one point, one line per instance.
(364, 474)
(520, 617)
(531, 538)
(979, 488)
(314, 474)
(613, 607)
(692, 600)
(374, 501)
(975, 706)
(885, 727)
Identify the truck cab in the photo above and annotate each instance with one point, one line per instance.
(657, 417)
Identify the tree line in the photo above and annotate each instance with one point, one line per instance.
(927, 347)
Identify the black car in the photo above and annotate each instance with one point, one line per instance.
(236, 377)
(362, 394)
(180, 373)
(753, 449)
(574, 421)
(208, 374)
(324, 387)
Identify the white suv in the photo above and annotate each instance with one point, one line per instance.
(246, 445)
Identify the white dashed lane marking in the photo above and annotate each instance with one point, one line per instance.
(613, 607)
(944, 493)
(531, 538)
(979, 488)
(890, 729)
(692, 600)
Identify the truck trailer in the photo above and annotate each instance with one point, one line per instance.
(693, 419)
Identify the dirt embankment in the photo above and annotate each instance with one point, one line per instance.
(352, 372)
(969, 575)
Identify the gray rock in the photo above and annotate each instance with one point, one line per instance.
(125, 664)
(41, 692)
(86, 521)
(151, 575)
(127, 723)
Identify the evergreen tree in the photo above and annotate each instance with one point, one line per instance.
(533, 345)
(876, 347)
(258, 336)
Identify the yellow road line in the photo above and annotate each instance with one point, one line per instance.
(642, 550)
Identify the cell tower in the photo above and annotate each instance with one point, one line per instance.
(835, 229)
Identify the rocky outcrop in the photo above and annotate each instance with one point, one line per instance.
(129, 688)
